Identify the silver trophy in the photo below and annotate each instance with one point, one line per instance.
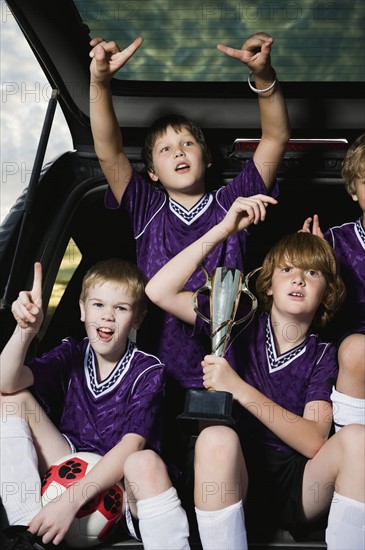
(225, 285)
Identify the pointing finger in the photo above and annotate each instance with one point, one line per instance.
(36, 291)
(231, 52)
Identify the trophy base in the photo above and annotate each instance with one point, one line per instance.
(206, 408)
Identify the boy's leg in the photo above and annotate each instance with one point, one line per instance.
(20, 480)
(152, 498)
(351, 358)
(29, 444)
(335, 479)
(349, 396)
(220, 487)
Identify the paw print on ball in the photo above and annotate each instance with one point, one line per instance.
(46, 476)
(113, 501)
(70, 469)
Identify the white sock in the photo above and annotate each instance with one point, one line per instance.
(346, 524)
(20, 483)
(223, 528)
(347, 409)
(163, 523)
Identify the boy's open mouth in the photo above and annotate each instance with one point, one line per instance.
(105, 334)
(181, 167)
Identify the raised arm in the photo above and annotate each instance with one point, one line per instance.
(27, 310)
(107, 59)
(255, 53)
(166, 288)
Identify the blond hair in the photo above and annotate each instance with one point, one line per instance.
(353, 166)
(120, 272)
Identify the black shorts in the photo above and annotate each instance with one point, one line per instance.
(274, 498)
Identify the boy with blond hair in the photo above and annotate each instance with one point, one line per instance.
(101, 395)
(348, 242)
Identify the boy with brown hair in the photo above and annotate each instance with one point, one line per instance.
(165, 221)
(279, 458)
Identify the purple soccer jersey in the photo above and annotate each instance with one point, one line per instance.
(162, 228)
(303, 374)
(348, 242)
(94, 414)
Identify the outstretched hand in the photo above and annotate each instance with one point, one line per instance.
(255, 53)
(27, 309)
(244, 212)
(107, 58)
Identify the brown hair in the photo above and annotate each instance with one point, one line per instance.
(305, 251)
(120, 272)
(353, 166)
(178, 123)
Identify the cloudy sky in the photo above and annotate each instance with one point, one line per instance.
(24, 98)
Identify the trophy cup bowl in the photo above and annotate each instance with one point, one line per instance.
(210, 407)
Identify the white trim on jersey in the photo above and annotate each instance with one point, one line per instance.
(190, 216)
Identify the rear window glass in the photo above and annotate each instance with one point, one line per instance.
(316, 40)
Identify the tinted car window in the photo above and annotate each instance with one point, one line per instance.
(313, 38)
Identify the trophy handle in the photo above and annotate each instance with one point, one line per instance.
(207, 286)
(246, 290)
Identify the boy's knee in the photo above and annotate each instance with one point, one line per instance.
(351, 354)
(217, 443)
(352, 438)
(145, 476)
(144, 464)
(16, 404)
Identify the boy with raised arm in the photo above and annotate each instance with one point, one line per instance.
(164, 221)
(104, 395)
(280, 457)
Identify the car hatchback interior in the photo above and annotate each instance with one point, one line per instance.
(179, 70)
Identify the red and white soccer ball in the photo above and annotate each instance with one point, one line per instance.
(95, 521)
